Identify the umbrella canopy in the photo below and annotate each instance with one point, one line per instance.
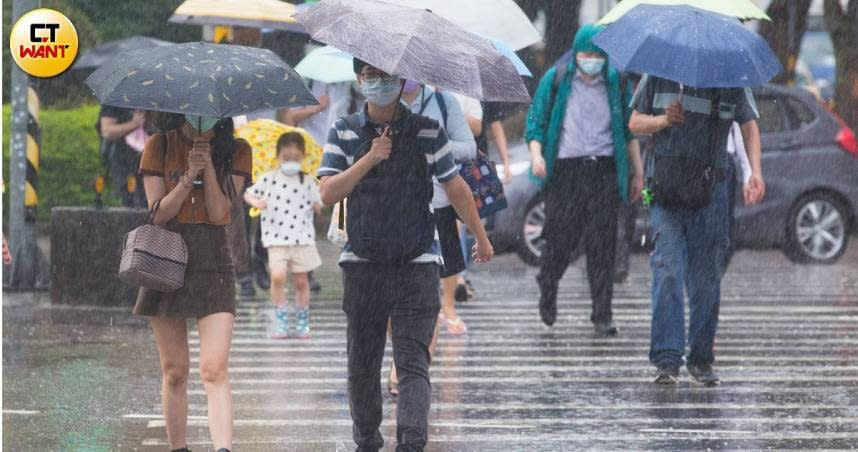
(200, 78)
(327, 65)
(246, 13)
(689, 46)
(418, 45)
(740, 9)
(507, 51)
(501, 20)
(97, 56)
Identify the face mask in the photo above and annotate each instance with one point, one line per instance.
(411, 86)
(290, 168)
(208, 122)
(591, 66)
(381, 92)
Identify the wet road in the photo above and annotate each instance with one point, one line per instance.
(787, 353)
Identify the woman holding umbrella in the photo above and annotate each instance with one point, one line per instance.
(190, 173)
(174, 163)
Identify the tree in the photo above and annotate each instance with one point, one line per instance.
(843, 26)
(784, 33)
(561, 24)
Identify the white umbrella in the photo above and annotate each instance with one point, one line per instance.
(501, 20)
(327, 65)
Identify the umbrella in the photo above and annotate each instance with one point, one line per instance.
(417, 45)
(328, 65)
(689, 46)
(246, 13)
(507, 51)
(96, 56)
(262, 134)
(500, 20)
(740, 9)
(202, 79)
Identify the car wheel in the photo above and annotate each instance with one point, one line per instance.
(817, 229)
(530, 239)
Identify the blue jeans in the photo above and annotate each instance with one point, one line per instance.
(689, 254)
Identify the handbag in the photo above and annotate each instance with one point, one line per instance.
(481, 175)
(153, 257)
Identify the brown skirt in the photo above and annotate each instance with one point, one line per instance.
(209, 282)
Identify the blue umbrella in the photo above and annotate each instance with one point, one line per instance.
(689, 46)
(507, 51)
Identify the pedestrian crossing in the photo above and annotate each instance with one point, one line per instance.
(787, 355)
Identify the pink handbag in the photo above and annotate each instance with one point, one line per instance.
(154, 257)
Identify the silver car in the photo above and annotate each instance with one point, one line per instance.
(810, 166)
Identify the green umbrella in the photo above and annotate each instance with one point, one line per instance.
(740, 9)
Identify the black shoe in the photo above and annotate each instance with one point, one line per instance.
(461, 294)
(315, 287)
(703, 374)
(223, 449)
(667, 375)
(262, 279)
(548, 307)
(606, 329)
(184, 449)
(246, 288)
(621, 276)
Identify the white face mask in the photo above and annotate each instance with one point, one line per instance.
(290, 168)
(591, 66)
(381, 92)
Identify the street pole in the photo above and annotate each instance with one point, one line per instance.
(28, 270)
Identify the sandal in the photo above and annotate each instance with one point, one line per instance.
(392, 382)
(455, 327)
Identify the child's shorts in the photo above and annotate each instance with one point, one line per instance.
(295, 259)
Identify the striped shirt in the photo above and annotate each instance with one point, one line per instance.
(344, 144)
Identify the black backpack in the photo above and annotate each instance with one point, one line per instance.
(389, 216)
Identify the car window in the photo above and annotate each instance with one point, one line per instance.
(799, 113)
(772, 117)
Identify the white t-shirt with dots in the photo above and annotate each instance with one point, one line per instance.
(288, 220)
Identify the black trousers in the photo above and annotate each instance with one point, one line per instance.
(581, 203)
(409, 296)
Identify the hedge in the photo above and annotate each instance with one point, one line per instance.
(69, 160)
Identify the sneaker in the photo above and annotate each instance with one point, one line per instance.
(281, 320)
(667, 375)
(302, 324)
(703, 374)
(606, 329)
(246, 289)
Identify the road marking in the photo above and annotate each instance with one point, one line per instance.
(21, 412)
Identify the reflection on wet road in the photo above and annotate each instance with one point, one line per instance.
(787, 353)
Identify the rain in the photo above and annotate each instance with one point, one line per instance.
(440, 225)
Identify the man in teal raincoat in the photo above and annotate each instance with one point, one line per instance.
(587, 161)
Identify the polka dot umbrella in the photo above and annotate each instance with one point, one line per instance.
(262, 134)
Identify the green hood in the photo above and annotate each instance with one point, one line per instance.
(583, 41)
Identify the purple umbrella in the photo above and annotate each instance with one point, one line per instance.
(417, 45)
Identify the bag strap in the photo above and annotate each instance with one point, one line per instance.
(154, 211)
(442, 105)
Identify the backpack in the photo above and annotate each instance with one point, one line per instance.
(389, 219)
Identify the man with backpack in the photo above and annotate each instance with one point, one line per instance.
(383, 159)
(689, 212)
(588, 162)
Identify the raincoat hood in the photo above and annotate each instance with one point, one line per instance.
(583, 41)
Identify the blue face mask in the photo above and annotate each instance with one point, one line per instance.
(591, 66)
(290, 168)
(381, 92)
(208, 122)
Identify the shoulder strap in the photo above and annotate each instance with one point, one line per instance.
(559, 75)
(442, 105)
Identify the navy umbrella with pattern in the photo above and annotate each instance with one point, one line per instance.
(201, 79)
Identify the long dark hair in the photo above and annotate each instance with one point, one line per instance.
(223, 143)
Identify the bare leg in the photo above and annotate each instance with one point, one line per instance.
(278, 287)
(301, 284)
(171, 336)
(215, 337)
(392, 378)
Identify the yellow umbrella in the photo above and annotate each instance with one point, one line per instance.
(245, 13)
(740, 9)
(262, 134)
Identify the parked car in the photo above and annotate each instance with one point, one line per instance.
(810, 166)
